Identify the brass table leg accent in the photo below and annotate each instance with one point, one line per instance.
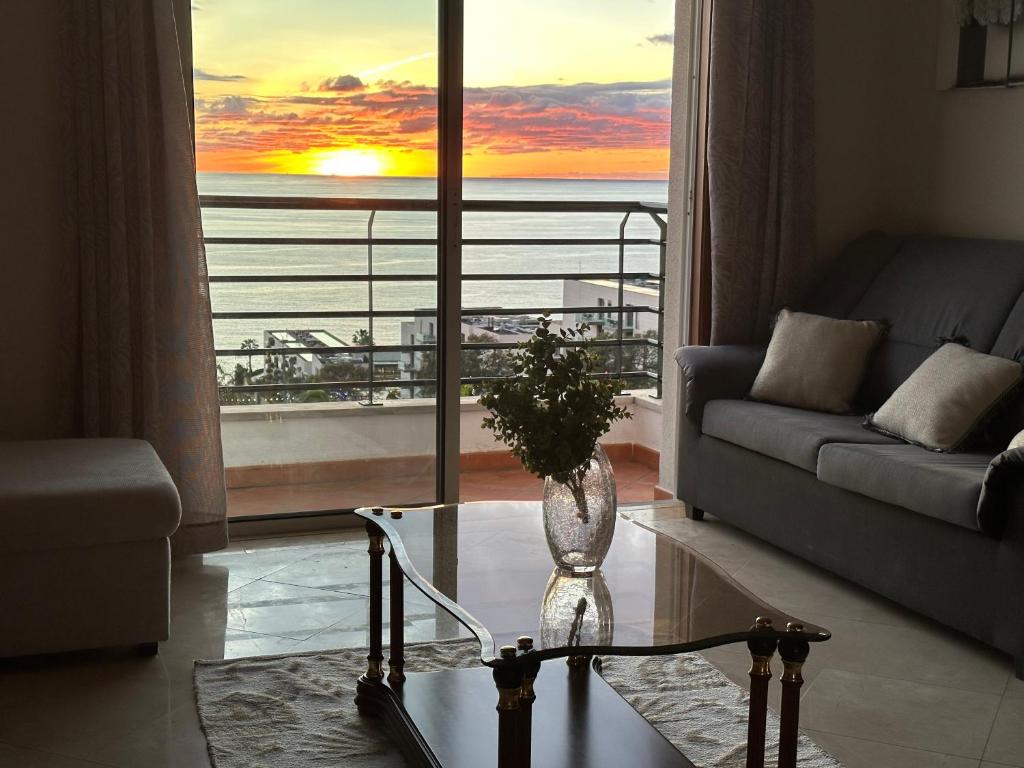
(508, 677)
(375, 659)
(793, 651)
(396, 654)
(761, 650)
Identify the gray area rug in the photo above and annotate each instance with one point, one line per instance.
(297, 711)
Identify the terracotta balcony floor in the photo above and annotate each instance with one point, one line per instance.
(635, 482)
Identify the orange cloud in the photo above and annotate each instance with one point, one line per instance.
(582, 129)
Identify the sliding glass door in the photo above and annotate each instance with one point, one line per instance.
(316, 148)
(382, 230)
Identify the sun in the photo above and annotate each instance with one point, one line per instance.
(350, 162)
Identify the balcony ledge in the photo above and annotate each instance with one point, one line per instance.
(230, 413)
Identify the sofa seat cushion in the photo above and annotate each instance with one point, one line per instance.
(792, 435)
(946, 486)
(78, 493)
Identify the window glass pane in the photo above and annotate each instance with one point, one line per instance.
(569, 112)
(334, 104)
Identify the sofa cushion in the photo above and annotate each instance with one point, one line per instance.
(816, 362)
(787, 434)
(934, 288)
(947, 397)
(940, 485)
(80, 493)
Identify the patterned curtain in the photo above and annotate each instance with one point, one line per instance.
(760, 163)
(138, 332)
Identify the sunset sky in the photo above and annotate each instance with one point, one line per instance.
(554, 88)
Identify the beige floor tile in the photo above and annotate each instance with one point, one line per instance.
(726, 547)
(858, 753)
(15, 757)
(925, 654)
(1014, 688)
(284, 610)
(813, 594)
(336, 568)
(1006, 744)
(238, 645)
(898, 712)
(172, 741)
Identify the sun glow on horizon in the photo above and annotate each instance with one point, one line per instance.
(343, 89)
(350, 162)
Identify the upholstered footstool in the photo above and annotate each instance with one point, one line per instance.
(84, 545)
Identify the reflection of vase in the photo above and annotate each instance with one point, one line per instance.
(576, 611)
(579, 518)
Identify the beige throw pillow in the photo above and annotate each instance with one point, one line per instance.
(1017, 442)
(816, 362)
(946, 397)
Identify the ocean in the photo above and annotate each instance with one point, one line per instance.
(418, 260)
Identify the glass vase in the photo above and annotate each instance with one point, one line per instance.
(579, 520)
(576, 611)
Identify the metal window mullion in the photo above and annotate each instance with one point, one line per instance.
(449, 203)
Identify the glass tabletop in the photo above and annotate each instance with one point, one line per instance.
(487, 564)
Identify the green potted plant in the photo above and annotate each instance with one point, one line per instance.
(551, 413)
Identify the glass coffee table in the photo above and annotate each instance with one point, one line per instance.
(486, 566)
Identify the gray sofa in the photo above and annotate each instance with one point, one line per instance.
(942, 534)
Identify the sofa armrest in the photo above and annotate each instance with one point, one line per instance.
(1002, 487)
(715, 373)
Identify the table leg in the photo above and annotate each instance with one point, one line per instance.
(527, 696)
(761, 651)
(396, 649)
(375, 659)
(508, 677)
(793, 651)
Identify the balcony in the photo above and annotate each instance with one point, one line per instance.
(312, 422)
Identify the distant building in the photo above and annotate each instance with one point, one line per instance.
(494, 327)
(387, 364)
(605, 293)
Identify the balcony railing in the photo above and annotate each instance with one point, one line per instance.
(620, 341)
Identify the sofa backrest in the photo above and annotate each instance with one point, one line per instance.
(927, 289)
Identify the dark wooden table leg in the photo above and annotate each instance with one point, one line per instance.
(508, 677)
(527, 696)
(761, 650)
(793, 651)
(375, 659)
(396, 651)
(369, 684)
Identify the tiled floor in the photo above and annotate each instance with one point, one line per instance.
(634, 481)
(891, 690)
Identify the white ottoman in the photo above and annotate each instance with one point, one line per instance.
(84, 545)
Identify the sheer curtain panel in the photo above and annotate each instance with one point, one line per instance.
(138, 334)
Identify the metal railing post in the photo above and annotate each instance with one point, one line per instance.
(622, 287)
(369, 297)
(662, 253)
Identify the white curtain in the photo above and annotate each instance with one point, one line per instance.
(138, 329)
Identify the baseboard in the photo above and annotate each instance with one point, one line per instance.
(661, 494)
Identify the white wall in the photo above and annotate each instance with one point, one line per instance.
(30, 209)
(895, 152)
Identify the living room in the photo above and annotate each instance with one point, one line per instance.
(246, 569)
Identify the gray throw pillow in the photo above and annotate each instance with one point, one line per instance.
(946, 398)
(816, 362)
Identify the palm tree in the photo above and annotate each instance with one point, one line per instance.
(250, 344)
